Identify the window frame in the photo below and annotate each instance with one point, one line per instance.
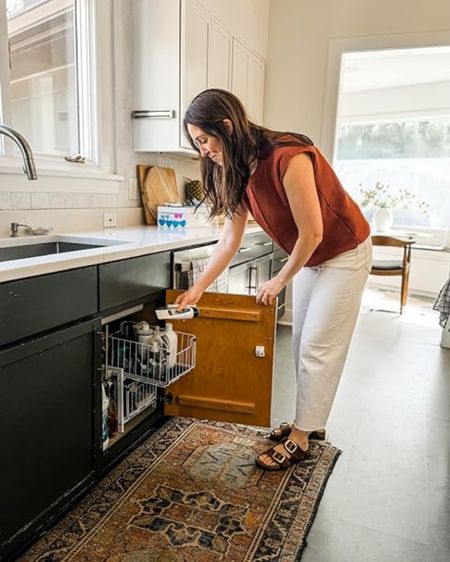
(93, 38)
(329, 132)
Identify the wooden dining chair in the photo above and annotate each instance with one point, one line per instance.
(394, 267)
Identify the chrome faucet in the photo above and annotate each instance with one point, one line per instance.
(25, 149)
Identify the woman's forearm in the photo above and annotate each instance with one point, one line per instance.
(302, 251)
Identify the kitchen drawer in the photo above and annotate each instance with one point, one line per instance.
(124, 281)
(279, 258)
(37, 304)
(253, 246)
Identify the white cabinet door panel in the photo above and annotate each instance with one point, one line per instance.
(255, 89)
(194, 56)
(239, 74)
(219, 58)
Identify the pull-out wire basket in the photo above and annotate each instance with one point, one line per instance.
(131, 396)
(149, 364)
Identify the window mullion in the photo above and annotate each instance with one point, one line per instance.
(5, 96)
(86, 79)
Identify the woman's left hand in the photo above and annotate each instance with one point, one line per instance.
(268, 291)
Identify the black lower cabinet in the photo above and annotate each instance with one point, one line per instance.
(47, 413)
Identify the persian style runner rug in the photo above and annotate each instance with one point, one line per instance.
(192, 492)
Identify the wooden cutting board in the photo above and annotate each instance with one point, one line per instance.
(158, 186)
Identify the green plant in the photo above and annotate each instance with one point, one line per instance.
(383, 196)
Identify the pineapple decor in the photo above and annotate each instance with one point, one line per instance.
(193, 191)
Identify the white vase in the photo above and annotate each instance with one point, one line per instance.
(382, 219)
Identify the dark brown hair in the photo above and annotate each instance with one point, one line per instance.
(225, 185)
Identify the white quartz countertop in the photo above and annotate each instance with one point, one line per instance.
(124, 243)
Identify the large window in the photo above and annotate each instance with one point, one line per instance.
(394, 128)
(48, 94)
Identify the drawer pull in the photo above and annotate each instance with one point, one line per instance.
(283, 260)
(243, 250)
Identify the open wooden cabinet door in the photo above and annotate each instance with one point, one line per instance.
(229, 382)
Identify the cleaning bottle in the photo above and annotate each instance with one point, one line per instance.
(145, 337)
(170, 340)
(156, 364)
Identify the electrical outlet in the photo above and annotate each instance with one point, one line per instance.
(109, 220)
(132, 188)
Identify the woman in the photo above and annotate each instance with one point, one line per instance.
(289, 188)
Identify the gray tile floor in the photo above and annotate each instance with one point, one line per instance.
(388, 499)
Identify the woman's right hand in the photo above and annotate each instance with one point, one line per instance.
(190, 297)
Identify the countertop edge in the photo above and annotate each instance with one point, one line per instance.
(53, 263)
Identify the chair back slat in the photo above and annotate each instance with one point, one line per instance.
(382, 240)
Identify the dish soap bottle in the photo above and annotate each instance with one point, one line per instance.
(170, 340)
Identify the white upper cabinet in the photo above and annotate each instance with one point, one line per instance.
(240, 71)
(247, 80)
(180, 49)
(255, 88)
(219, 63)
(194, 56)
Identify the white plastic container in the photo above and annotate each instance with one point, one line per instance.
(170, 339)
(145, 336)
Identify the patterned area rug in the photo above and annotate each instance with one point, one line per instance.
(192, 492)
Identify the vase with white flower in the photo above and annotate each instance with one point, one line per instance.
(384, 199)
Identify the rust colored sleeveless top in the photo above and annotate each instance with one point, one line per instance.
(344, 225)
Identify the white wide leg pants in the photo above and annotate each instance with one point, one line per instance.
(326, 303)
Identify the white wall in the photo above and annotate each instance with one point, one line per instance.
(302, 71)
(305, 42)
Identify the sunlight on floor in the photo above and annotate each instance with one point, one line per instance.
(418, 310)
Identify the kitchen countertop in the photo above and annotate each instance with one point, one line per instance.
(126, 243)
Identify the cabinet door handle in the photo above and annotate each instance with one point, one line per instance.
(242, 250)
(265, 243)
(282, 260)
(154, 114)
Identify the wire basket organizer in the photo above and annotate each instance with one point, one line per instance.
(131, 396)
(142, 363)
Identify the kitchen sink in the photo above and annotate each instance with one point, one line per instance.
(15, 250)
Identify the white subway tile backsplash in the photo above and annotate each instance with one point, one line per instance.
(39, 201)
(5, 201)
(20, 201)
(78, 200)
(55, 201)
(100, 200)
